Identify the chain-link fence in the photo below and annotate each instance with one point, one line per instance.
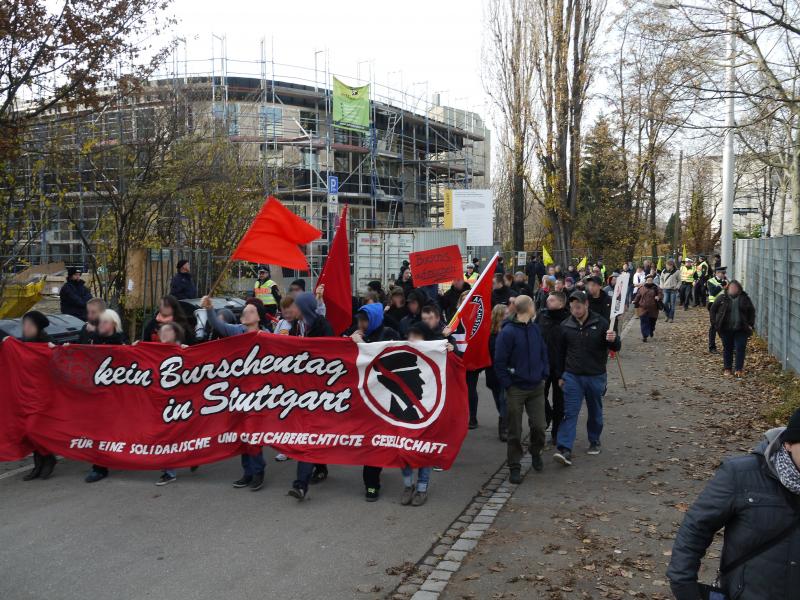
(769, 269)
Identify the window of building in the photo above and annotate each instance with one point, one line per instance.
(270, 121)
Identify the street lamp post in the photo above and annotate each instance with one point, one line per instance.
(728, 156)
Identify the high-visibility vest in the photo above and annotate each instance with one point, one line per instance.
(263, 291)
(714, 289)
(471, 279)
(687, 274)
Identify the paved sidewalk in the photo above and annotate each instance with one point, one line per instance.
(603, 528)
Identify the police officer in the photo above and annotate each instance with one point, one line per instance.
(716, 285)
(267, 291)
(688, 276)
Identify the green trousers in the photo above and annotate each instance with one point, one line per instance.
(519, 402)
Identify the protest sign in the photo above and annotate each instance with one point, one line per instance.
(440, 265)
(155, 406)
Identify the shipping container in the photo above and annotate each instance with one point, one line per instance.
(379, 253)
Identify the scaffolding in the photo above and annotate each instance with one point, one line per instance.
(280, 118)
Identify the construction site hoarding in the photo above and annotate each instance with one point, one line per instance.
(350, 106)
(472, 210)
(379, 253)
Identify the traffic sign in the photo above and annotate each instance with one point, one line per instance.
(333, 184)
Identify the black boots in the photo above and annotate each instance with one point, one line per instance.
(43, 465)
(502, 429)
(48, 464)
(37, 468)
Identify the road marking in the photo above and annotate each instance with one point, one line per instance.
(16, 471)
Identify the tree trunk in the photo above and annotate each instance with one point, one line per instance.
(518, 197)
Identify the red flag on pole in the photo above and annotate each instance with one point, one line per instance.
(473, 321)
(274, 236)
(335, 277)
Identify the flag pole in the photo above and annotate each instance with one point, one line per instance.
(221, 275)
(456, 316)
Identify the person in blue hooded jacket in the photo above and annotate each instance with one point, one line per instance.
(370, 328)
(522, 366)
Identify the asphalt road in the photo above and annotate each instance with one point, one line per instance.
(123, 538)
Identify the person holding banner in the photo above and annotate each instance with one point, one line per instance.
(585, 342)
(253, 465)
(314, 325)
(34, 324)
(522, 366)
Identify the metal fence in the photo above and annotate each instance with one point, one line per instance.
(769, 269)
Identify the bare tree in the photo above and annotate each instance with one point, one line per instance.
(508, 75)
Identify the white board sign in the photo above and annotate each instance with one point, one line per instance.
(474, 211)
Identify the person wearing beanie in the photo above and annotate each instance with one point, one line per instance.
(34, 324)
(74, 295)
(182, 287)
(756, 498)
(314, 325)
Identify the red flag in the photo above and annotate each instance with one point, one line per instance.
(335, 277)
(274, 236)
(473, 321)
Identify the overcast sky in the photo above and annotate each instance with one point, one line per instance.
(429, 40)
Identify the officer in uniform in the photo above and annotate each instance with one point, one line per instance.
(267, 291)
(716, 285)
(700, 284)
(688, 275)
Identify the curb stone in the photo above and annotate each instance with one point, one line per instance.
(462, 536)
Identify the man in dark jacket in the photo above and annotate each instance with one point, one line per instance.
(182, 286)
(585, 342)
(756, 498)
(415, 300)
(74, 295)
(520, 286)
(535, 271)
(599, 301)
(549, 322)
(500, 291)
(448, 301)
(521, 365)
(733, 316)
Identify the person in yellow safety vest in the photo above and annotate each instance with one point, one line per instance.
(716, 285)
(267, 291)
(700, 291)
(688, 275)
(470, 276)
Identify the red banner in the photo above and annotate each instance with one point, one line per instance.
(440, 265)
(155, 406)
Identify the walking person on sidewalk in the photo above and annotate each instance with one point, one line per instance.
(521, 365)
(756, 498)
(585, 342)
(549, 322)
(688, 275)
(670, 284)
(647, 307)
(734, 317)
(716, 285)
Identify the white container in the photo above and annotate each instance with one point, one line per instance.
(379, 253)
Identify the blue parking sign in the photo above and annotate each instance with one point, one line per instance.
(333, 184)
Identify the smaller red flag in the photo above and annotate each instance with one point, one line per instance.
(473, 321)
(274, 236)
(335, 277)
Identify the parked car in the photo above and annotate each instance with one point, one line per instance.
(62, 329)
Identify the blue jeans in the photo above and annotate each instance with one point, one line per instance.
(170, 472)
(670, 296)
(423, 477)
(576, 388)
(647, 325)
(733, 341)
(500, 402)
(253, 464)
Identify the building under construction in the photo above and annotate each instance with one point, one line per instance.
(393, 174)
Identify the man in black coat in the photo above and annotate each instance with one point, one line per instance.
(756, 498)
(549, 322)
(74, 295)
(535, 271)
(182, 286)
(599, 301)
(500, 291)
(448, 301)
